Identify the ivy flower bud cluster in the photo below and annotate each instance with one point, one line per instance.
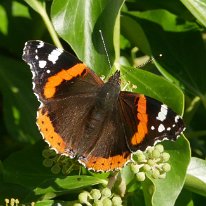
(58, 163)
(97, 197)
(152, 162)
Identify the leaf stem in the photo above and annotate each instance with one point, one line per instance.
(41, 9)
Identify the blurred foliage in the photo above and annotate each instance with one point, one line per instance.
(159, 47)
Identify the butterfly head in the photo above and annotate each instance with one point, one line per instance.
(110, 91)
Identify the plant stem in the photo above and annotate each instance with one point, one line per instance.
(41, 9)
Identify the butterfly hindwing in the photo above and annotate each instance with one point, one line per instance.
(148, 121)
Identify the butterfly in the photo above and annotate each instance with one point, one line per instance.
(81, 116)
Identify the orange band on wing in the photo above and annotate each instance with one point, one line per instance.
(56, 80)
(142, 130)
(106, 164)
(47, 130)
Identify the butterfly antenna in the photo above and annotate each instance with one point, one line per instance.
(100, 31)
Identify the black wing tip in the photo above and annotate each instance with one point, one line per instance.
(29, 46)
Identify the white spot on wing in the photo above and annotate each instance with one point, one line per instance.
(33, 85)
(168, 128)
(163, 113)
(42, 64)
(33, 74)
(48, 71)
(152, 128)
(36, 57)
(41, 44)
(31, 66)
(54, 55)
(177, 118)
(161, 128)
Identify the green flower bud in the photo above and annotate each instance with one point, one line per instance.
(139, 156)
(166, 167)
(155, 153)
(56, 169)
(83, 197)
(138, 152)
(155, 173)
(48, 162)
(46, 153)
(96, 194)
(116, 201)
(107, 202)
(149, 150)
(98, 203)
(160, 148)
(151, 162)
(6, 201)
(77, 204)
(12, 201)
(106, 192)
(135, 168)
(165, 156)
(146, 167)
(140, 176)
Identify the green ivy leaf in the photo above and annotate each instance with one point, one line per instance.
(180, 58)
(45, 203)
(25, 168)
(64, 185)
(167, 20)
(196, 178)
(18, 100)
(16, 22)
(197, 8)
(155, 86)
(78, 23)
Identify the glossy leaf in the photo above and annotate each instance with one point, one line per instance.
(63, 185)
(45, 203)
(154, 86)
(173, 6)
(196, 176)
(78, 23)
(31, 174)
(180, 56)
(19, 101)
(197, 8)
(167, 20)
(15, 27)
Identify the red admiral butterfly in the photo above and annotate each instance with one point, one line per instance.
(81, 116)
